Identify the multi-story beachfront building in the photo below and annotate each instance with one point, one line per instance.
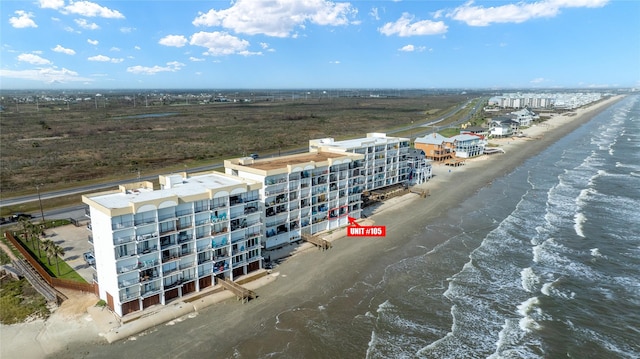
(385, 158)
(436, 147)
(420, 169)
(152, 246)
(304, 193)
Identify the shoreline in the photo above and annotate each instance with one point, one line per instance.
(297, 280)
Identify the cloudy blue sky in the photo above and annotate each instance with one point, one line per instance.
(62, 44)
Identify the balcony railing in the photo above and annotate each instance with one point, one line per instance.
(127, 283)
(121, 225)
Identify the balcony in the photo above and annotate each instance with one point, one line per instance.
(146, 250)
(219, 243)
(184, 238)
(165, 230)
(186, 252)
(166, 216)
(149, 290)
(143, 221)
(187, 265)
(121, 225)
(125, 269)
(129, 295)
(170, 256)
(127, 283)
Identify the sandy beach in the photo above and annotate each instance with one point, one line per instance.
(78, 326)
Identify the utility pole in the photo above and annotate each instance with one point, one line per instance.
(40, 201)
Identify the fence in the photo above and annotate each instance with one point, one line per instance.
(54, 282)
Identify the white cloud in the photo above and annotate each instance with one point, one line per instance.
(143, 70)
(83, 23)
(92, 42)
(102, 58)
(404, 27)
(173, 40)
(374, 13)
(335, 62)
(195, 59)
(46, 75)
(412, 48)
(63, 50)
(516, 13)
(279, 18)
(24, 19)
(89, 9)
(126, 30)
(538, 80)
(137, 47)
(116, 49)
(51, 4)
(219, 43)
(33, 59)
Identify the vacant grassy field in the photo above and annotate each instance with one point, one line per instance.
(60, 145)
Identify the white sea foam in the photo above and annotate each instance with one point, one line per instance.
(546, 288)
(529, 279)
(596, 252)
(525, 309)
(579, 219)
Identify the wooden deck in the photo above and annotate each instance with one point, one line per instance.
(317, 241)
(455, 162)
(241, 292)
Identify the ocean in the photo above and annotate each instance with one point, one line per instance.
(542, 263)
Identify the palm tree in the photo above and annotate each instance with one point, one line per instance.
(57, 252)
(47, 246)
(26, 229)
(36, 232)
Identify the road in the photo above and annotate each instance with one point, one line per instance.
(78, 211)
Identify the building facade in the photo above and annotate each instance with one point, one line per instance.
(436, 147)
(152, 246)
(304, 194)
(385, 158)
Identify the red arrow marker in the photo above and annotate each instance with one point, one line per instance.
(352, 222)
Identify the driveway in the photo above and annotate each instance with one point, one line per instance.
(75, 242)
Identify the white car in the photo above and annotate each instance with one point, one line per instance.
(89, 258)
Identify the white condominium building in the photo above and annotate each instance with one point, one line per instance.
(385, 158)
(304, 193)
(152, 246)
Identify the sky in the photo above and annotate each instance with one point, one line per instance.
(272, 44)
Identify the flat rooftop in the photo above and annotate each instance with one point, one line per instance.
(180, 187)
(282, 162)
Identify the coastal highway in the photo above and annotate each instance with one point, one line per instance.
(419, 128)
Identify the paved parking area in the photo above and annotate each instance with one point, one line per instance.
(75, 242)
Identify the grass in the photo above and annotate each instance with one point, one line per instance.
(19, 301)
(56, 147)
(66, 272)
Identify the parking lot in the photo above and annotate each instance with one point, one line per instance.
(75, 242)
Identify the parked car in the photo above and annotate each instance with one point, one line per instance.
(89, 258)
(254, 156)
(17, 216)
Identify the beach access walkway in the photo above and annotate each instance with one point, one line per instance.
(317, 241)
(240, 292)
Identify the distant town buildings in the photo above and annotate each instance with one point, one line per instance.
(544, 100)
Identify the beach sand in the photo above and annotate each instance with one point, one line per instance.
(78, 325)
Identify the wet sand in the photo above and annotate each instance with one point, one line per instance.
(308, 274)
